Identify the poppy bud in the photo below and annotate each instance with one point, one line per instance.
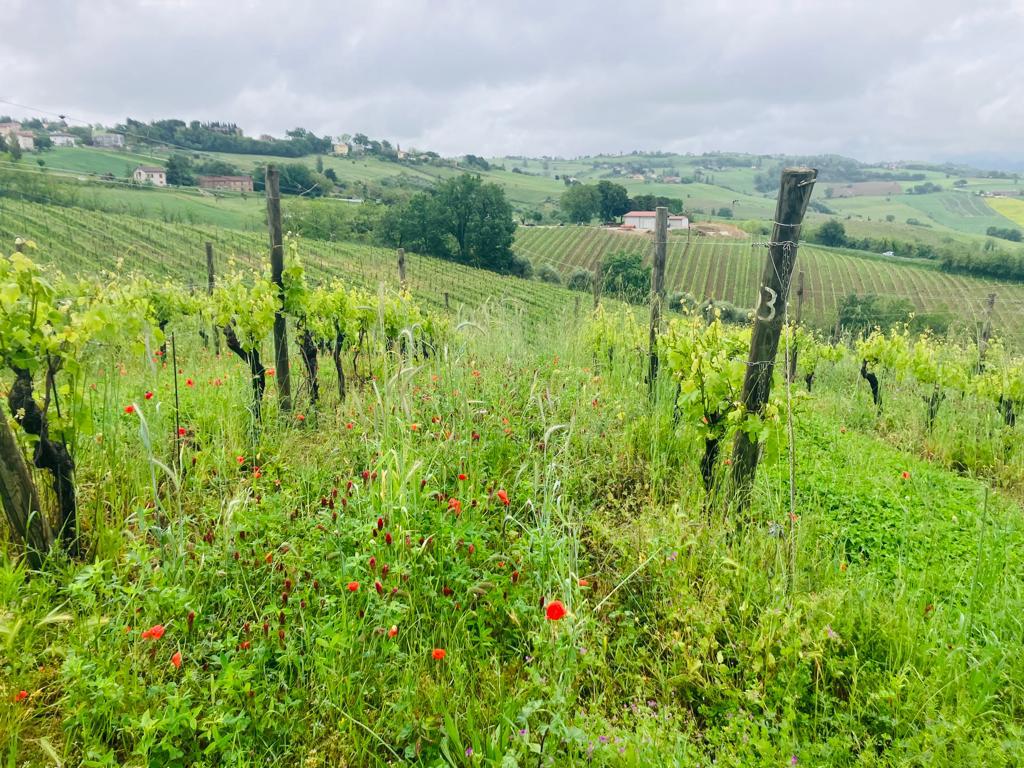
(379, 587)
(380, 523)
(373, 563)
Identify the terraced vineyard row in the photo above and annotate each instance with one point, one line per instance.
(729, 270)
(85, 242)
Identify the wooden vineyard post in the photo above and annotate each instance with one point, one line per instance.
(657, 292)
(986, 332)
(284, 380)
(791, 373)
(446, 300)
(210, 285)
(769, 316)
(401, 269)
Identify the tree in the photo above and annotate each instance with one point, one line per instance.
(832, 232)
(580, 203)
(614, 200)
(624, 275)
(179, 171)
(463, 219)
(479, 217)
(647, 202)
(319, 164)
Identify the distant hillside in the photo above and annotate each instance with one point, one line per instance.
(729, 270)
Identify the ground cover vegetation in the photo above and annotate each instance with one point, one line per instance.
(476, 538)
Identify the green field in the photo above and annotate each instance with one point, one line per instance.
(730, 269)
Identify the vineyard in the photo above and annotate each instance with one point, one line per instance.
(727, 269)
(472, 533)
(85, 242)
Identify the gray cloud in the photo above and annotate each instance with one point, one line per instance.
(928, 79)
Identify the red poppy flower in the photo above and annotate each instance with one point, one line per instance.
(20, 696)
(555, 610)
(455, 505)
(240, 459)
(462, 476)
(393, 631)
(350, 425)
(299, 417)
(503, 496)
(439, 653)
(182, 431)
(153, 633)
(584, 583)
(353, 586)
(905, 475)
(129, 409)
(189, 383)
(414, 427)
(149, 395)
(176, 660)
(271, 371)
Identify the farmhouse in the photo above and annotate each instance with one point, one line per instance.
(644, 220)
(148, 174)
(26, 140)
(63, 140)
(231, 183)
(9, 129)
(340, 149)
(108, 140)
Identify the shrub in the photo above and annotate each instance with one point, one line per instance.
(549, 274)
(580, 280)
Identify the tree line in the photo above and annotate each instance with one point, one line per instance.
(986, 260)
(607, 201)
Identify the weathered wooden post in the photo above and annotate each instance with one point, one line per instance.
(986, 332)
(284, 379)
(211, 283)
(791, 373)
(769, 315)
(657, 292)
(446, 300)
(401, 269)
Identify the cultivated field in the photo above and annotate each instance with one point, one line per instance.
(729, 270)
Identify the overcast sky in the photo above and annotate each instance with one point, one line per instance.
(890, 79)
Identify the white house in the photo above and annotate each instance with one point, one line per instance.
(110, 140)
(63, 140)
(148, 174)
(644, 220)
